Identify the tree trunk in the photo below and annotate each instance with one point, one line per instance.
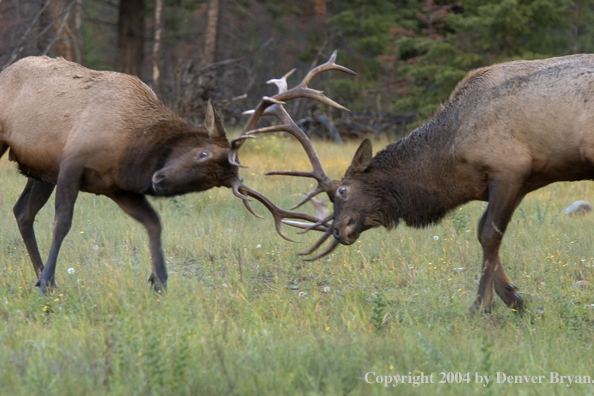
(64, 18)
(210, 39)
(221, 51)
(157, 43)
(131, 36)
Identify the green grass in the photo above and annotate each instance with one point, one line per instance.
(243, 315)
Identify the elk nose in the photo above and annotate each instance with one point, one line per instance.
(158, 179)
(336, 233)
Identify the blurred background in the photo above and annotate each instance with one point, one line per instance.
(409, 55)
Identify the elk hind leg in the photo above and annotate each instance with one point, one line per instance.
(32, 199)
(503, 200)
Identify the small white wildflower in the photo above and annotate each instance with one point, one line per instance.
(70, 270)
(302, 294)
(329, 260)
(258, 246)
(327, 289)
(95, 247)
(436, 238)
(224, 285)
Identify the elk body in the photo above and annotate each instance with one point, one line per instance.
(505, 131)
(104, 133)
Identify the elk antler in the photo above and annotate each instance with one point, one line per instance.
(274, 106)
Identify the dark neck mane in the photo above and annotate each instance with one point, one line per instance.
(414, 178)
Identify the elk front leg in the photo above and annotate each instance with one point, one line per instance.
(33, 198)
(66, 194)
(503, 200)
(137, 206)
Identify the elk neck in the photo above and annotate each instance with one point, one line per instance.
(417, 177)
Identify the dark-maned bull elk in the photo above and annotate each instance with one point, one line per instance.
(104, 133)
(107, 133)
(505, 131)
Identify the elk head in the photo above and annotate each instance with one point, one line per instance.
(354, 207)
(200, 164)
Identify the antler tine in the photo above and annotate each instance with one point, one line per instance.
(235, 189)
(325, 252)
(324, 182)
(281, 83)
(319, 226)
(329, 65)
(305, 226)
(255, 116)
(278, 213)
(308, 196)
(319, 243)
(246, 203)
(276, 101)
(303, 89)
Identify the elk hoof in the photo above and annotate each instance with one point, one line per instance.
(45, 285)
(511, 298)
(533, 301)
(157, 285)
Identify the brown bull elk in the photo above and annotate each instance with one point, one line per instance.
(505, 131)
(103, 133)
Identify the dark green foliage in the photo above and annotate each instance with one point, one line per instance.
(379, 311)
(415, 52)
(408, 54)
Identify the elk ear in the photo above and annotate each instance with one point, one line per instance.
(214, 125)
(362, 158)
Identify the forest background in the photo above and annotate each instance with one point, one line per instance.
(409, 54)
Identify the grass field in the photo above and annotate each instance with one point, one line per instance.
(243, 315)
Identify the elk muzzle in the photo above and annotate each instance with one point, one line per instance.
(159, 183)
(345, 231)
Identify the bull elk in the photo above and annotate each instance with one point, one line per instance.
(506, 130)
(74, 129)
(103, 133)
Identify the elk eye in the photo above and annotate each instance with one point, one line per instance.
(342, 191)
(203, 155)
